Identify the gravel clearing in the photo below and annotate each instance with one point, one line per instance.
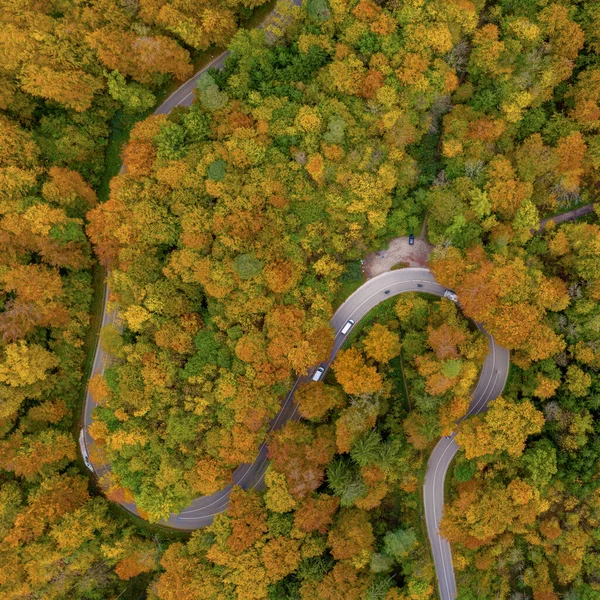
(399, 252)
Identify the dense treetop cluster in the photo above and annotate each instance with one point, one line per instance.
(230, 229)
(67, 68)
(340, 516)
(234, 231)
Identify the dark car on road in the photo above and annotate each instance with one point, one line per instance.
(411, 239)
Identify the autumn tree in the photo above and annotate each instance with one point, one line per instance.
(381, 344)
(301, 454)
(248, 519)
(316, 513)
(504, 427)
(351, 536)
(315, 399)
(353, 373)
(186, 576)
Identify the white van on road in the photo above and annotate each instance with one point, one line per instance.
(346, 328)
(318, 374)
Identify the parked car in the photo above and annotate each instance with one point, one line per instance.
(346, 328)
(451, 295)
(411, 239)
(318, 374)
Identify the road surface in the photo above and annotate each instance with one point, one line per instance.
(490, 385)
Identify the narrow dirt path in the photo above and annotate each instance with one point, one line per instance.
(570, 215)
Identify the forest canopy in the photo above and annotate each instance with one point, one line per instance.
(229, 231)
(234, 231)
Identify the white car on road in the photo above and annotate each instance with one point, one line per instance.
(451, 296)
(86, 458)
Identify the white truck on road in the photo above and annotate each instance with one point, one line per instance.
(346, 328)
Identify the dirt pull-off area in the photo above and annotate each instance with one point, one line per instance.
(400, 253)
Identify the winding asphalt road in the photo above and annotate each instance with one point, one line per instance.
(490, 385)
(201, 511)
